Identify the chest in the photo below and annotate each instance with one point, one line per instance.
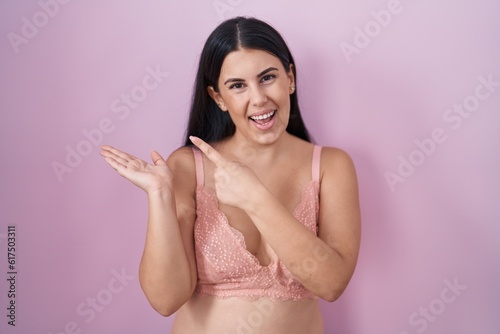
(290, 183)
(219, 224)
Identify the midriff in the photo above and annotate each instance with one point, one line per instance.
(215, 315)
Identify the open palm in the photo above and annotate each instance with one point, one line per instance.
(149, 177)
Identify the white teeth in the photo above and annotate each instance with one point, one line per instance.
(260, 117)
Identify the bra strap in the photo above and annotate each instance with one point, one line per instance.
(316, 162)
(198, 162)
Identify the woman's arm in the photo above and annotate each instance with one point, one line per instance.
(325, 263)
(167, 271)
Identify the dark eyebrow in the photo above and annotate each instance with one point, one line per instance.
(261, 74)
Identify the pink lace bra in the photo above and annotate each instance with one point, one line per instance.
(225, 267)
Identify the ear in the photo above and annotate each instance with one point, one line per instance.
(217, 98)
(291, 79)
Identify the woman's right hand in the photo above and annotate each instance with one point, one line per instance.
(149, 177)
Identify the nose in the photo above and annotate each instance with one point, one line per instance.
(257, 96)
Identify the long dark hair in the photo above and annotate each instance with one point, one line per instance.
(206, 120)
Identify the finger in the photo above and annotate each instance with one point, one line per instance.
(107, 150)
(222, 178)
(125, 160)
(114, 164)
(157, 158)
(108, 156)
(209, 151)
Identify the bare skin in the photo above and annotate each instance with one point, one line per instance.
(233, 316)
(258, 175)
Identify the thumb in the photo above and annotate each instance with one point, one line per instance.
(157, 158)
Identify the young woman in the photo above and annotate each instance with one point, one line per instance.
(253, 224)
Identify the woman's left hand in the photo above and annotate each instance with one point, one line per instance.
(235, 183)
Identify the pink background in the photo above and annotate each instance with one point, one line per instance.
(436, 226)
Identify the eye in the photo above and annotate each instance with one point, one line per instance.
(237, 85)
(268, 77)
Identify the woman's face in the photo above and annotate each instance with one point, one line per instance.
(255, 89)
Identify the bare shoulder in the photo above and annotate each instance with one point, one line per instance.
(181, 158)
(181, 163)
(340, 214)
(336, 162)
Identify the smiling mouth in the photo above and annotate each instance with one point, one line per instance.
(263, 119)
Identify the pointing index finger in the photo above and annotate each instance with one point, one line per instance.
(209, 151)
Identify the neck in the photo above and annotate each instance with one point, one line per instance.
(257, 155)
